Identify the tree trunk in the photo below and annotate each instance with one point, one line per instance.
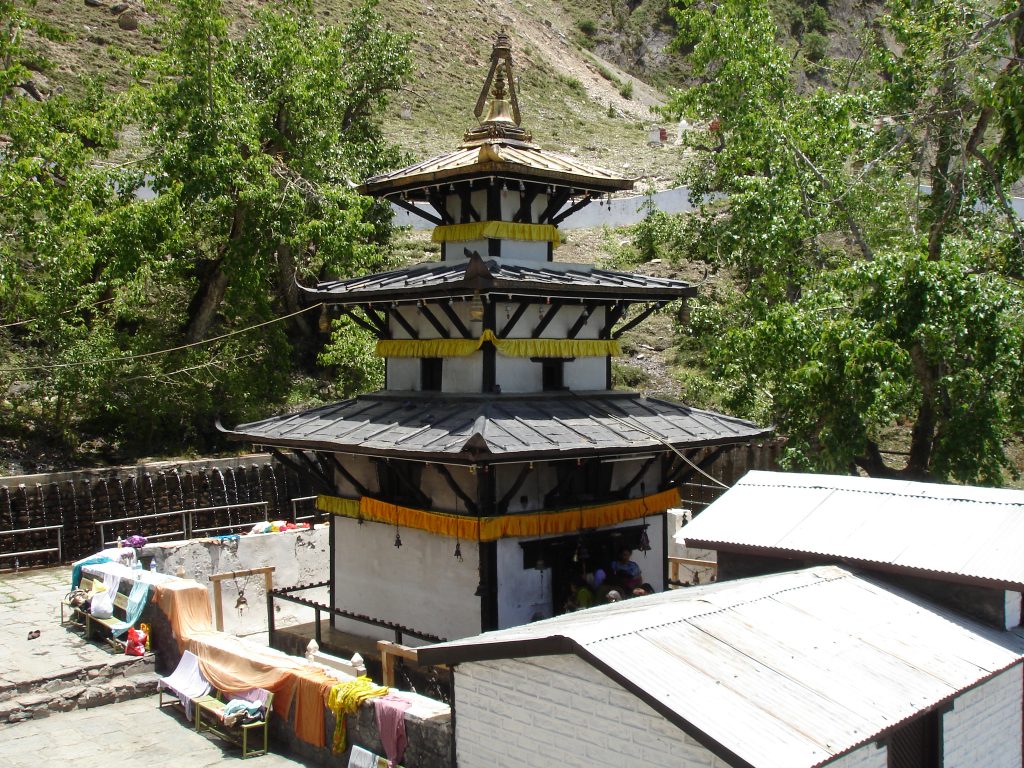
(286, 271)
(923, 434)
(213, 283)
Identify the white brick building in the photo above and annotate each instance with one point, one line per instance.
(813, 667)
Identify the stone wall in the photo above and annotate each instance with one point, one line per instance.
(77, 500)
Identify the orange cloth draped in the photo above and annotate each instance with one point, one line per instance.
(501, 526)
(186, 604)
(233, 666)
(312, 686)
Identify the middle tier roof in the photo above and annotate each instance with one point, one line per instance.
(446, 279)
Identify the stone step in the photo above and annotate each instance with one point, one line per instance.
(120, 679)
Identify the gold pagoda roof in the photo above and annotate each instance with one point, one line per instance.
(497, 147)
(496, 158)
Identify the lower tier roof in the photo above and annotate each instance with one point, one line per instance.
(500, 427)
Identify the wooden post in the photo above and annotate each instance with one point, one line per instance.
(218, 603)
(388, 653)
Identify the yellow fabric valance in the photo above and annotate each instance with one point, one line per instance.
(506, 230)
(507, 347)
(501, 526)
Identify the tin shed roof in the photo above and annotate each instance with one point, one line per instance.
(782, 671)
(501, 427)
(966, 534)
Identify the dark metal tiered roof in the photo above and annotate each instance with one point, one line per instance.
(547, 279)
(458, 428)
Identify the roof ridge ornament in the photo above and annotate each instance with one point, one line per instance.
(502, 118)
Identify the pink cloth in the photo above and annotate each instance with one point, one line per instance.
(390, 712)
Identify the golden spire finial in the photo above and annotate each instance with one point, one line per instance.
(502, 118)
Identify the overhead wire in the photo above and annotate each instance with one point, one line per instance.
(142, 355)
(650, 433)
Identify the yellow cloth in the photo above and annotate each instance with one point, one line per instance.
(501, 526)
(506, 347)
(507, 230)
(344, 699)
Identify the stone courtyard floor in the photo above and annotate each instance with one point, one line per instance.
(62, 697)
(129, 733)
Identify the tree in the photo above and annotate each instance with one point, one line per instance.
(870, 228)
(141, 321)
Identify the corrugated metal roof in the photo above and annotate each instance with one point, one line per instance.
(497, 158)
(475, 427)
(783, 671)
(498, 276)
(969, 534)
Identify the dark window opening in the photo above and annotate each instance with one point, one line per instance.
(580, 483)
(431, 371)
(399, 483)
(552, 372)
(916, 744)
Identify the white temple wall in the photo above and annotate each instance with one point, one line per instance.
(540, 202)
(524, 594)
(455, 250)
(517, 374)
(361, 468)
(511, 199)
(478, 198)
(420, 585)
(463, 374)
(410, 315)
(443, 498)
(524, 250)
(403, 373)
(586, 373)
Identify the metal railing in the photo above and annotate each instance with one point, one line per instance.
(59, 549)
(285, 593)
(188, 522)
(295, 509)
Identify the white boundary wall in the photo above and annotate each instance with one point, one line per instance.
(559, 711)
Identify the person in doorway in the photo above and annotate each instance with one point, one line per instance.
(625, 571)
(580, 595)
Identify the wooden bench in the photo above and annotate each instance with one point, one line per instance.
(212, 709)
(89, 622)
(76, 615)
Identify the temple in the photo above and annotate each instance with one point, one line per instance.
(497, 464)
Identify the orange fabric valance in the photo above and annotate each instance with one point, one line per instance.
(500, 526)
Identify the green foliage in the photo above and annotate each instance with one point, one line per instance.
(817, 19)
(868, 305)
(626, 89)
(250, 142)
(626, 376)
(573, 84)
(656, 235)
(587, 27)
(815, 46)
(351, 355)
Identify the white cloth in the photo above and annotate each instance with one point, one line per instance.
(124, 572)
(186, 681)
(363, 758)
